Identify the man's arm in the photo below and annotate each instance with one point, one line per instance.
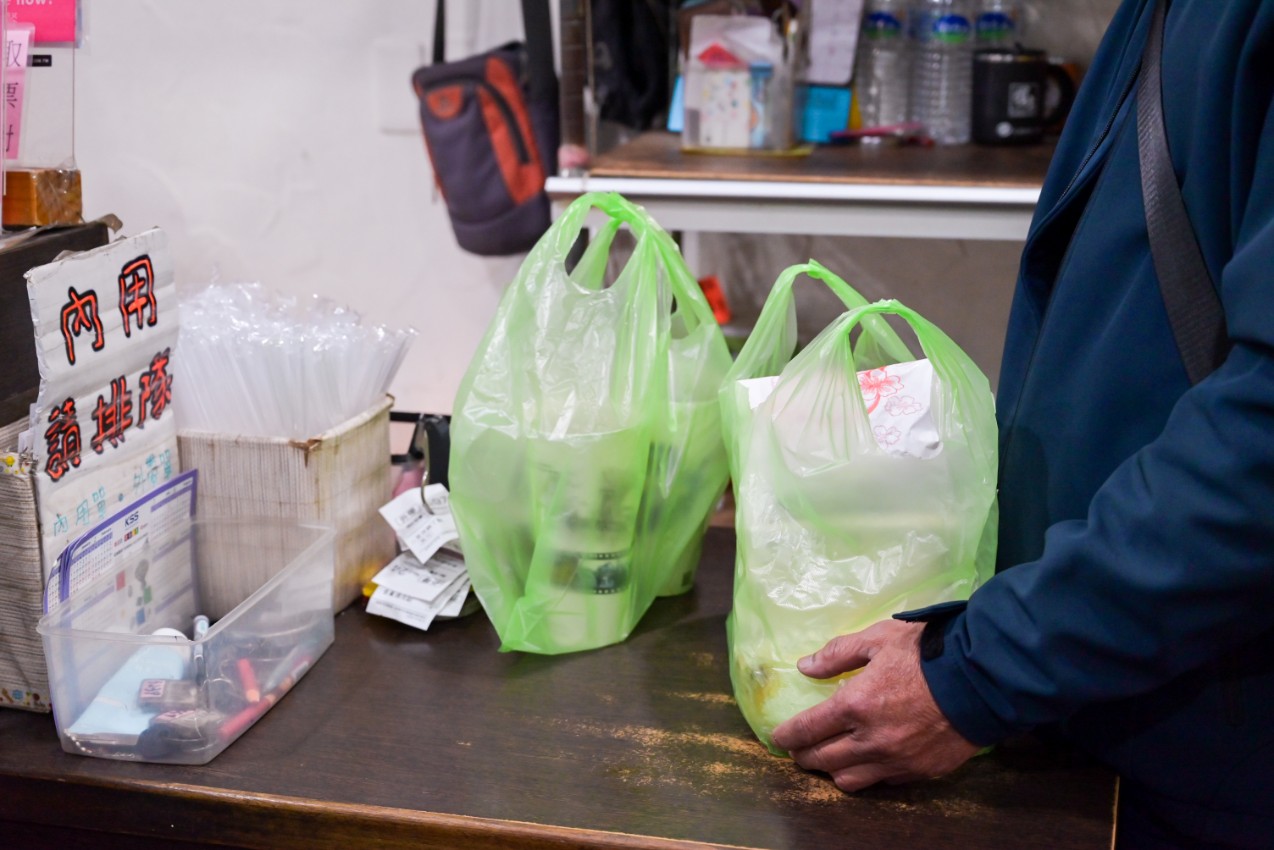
(1172, 567)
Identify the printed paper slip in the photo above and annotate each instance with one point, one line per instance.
(420, 531)
(147, 548)
(437, 499)
(417, 612)
(428, 581)
(401, 607)
(455, 604)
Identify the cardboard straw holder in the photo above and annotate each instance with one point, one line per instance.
(338, 478)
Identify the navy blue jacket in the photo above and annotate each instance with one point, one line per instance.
(1134, 607)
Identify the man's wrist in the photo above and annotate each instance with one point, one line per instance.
(945, 667)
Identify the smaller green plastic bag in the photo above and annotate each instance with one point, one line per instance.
(842, 518)
(586, 451)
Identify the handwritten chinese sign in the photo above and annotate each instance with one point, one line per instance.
(105, 327)
(17, 44)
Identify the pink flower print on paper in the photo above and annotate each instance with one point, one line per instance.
(902, 405)
(887, 435)
(876, 384)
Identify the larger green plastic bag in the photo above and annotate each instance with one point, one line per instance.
(586, 439)
(835, 531)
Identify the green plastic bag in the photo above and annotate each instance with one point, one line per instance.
(586, 438)
(842, 518)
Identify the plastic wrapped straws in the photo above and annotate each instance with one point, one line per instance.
(256, 363)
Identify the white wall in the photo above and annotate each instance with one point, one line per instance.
(276, 140)
(252, 132)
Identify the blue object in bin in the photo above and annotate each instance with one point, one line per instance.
(677, 107)
(826, 111)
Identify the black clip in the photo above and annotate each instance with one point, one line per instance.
(430, 445)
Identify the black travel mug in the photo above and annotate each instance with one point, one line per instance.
(1009, 87)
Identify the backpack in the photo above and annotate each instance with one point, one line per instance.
(490, 124)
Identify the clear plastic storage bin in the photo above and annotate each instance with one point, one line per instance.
(120, 690)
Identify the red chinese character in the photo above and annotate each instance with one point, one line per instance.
(156, 389)
(79, 315)
(137, 293)
(62, 439)
(114, 418)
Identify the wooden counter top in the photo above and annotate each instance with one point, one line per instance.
(956, 192)
(658, 156)
(400, 738)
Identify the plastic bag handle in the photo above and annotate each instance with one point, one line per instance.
(932, 339)
(614, 205)
(591, 268)
(938, 347)
(762, 354)
(685, 288)
(684, 285)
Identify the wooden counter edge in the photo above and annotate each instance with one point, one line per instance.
(656, 155)
(199, 814)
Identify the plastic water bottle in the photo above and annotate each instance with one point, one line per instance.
(942, 69)
(882, 76)
(997, 23)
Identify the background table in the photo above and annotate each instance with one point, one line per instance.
(400, 738)
(957, 192)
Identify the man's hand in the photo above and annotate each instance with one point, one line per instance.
(881, 725)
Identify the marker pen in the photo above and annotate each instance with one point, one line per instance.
(248, 679)
(233, 727)
(281, 682)
(287, 671)
(200, 664)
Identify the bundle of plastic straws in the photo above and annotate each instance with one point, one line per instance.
(255, 363)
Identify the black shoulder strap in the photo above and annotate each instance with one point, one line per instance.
(440, 32)
(542, 79)
(536, 20)
(1194, 308)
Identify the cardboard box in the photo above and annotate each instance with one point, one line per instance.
(340, 478)
(38, 197)
(24, 679)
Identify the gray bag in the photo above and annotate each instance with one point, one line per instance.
(491, 129)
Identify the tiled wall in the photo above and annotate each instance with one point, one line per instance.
(963, 286)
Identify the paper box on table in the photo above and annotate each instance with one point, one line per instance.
(24, 679)
(339, 478)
